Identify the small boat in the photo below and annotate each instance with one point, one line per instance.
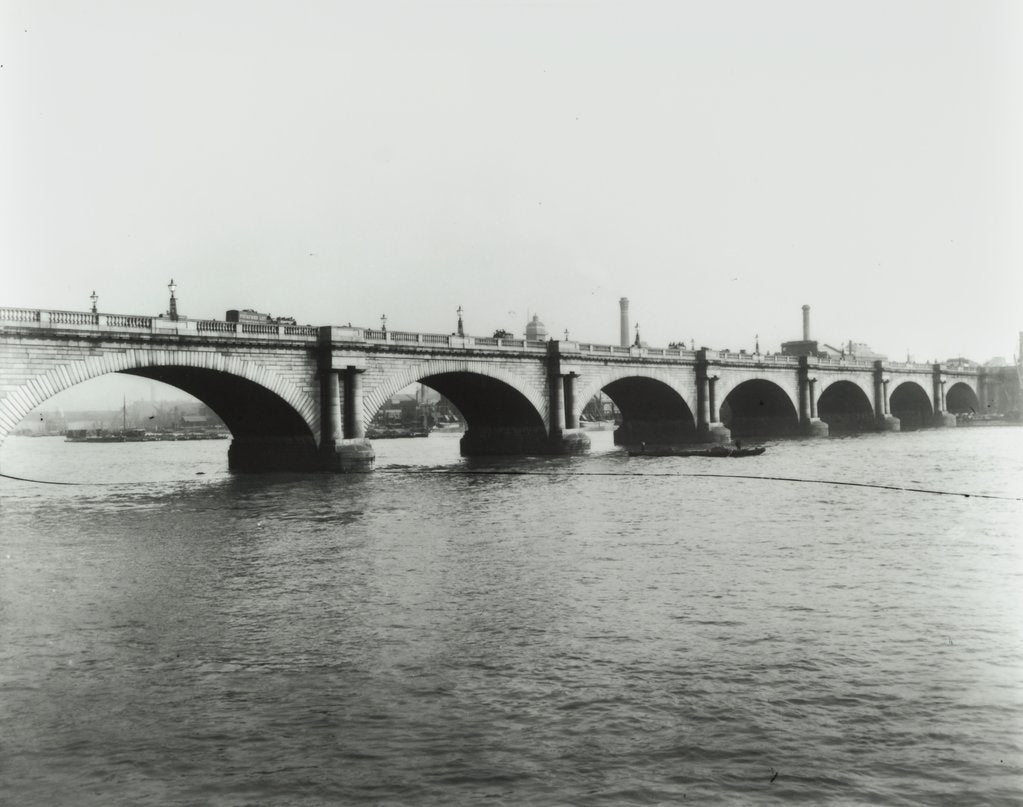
(679, 451)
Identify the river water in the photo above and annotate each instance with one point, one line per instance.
(600, 630)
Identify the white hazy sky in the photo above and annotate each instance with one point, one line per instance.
(719, 163)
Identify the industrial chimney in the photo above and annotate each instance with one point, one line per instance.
(624, 303)
(806, 323)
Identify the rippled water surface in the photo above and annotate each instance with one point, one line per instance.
(600, 630)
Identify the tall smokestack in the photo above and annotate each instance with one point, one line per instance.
(624, 303)
(806, 323)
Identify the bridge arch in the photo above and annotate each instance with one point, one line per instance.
(911, 404)
(759, 408)
(652, 403)
(961, 398)
(504, 413)
(845, 406)
(522, 402)
(254, 402)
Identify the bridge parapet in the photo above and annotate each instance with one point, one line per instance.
(844, 363)
(907, 366)
(137, 324)
(751, 360)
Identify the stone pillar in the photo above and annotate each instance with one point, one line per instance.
(331, 425)
(354, 427)
(702, 402)
(561, 405)
(557, 404)
(804, 393)
(809, 424)
(885, 422)
(812, 383)
(708, 429)
(343, 445)
(571, 419)
(941, 418)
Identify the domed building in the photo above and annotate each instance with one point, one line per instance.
(536, 331)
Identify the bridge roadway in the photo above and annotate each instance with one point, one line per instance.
(298, 397)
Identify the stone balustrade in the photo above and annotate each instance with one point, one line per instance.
(138, 324)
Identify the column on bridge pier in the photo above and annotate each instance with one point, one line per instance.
(557, 403)
(812, 382)
(565, 436)
(331, 425)
(354, 427)
(941, 418)
(708, 428)
(884, 421)
(568, 385)
(343, 445)
(809, 424)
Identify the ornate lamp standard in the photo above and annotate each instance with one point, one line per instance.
(94, 297)
(461, 331)
(383, 322)
(173, 313)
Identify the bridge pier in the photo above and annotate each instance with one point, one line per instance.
(884, 420)
(343, 444)
(810, 425)
(497, 441)
(709, 428)
(942, 419)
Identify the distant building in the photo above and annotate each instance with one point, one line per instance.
(536, 331)
(805, 346)
(855, 350)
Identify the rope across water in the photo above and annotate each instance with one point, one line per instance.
(511, 472)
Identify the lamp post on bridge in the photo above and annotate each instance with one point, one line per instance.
(94, 297)
(461, 330)
(383, 322)
(173, 312)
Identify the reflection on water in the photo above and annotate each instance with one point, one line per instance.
(601, 632)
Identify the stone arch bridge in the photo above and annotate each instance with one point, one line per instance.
(298, 397)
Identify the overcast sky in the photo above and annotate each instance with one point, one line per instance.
(718, 163)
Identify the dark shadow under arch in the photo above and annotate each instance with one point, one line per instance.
(960, 399)
(499, 419)
(651, 412)
(911, 405)
(845, 408)
(759, 408)
(268, 434)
